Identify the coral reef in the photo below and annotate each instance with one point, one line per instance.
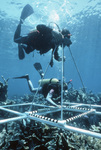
(3, 89)
(31, 135)
(37, 136)
(81, 96)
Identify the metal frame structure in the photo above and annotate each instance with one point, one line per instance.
(40, 115)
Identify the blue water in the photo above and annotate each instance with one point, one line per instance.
(82, 18)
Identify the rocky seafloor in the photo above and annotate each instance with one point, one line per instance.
(28, 134)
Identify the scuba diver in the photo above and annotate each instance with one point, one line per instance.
(42, 39)
(49, 88)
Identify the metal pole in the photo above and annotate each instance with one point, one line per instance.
(76, 68)
(82, 131)
(12, 119)
(24, 104)
(90, 105)
(62, 125)
(11, 111)
(62, 81)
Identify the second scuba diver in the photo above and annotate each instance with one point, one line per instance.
(49, 88)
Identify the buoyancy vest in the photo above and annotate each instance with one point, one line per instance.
(48, 81)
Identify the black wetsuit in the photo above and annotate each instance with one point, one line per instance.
(42, 39)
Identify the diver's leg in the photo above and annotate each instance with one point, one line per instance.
(17, 33)
(23, 47)
(21, 53)
(56, 55)
(27, 11)
(27, 48)
(32, 89)
(17, 38)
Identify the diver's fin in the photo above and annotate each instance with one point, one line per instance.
(38, 67)
(22, 77)
(27, 11)
(21, 53)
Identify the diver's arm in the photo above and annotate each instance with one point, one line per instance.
(66, 41)
(48, 98)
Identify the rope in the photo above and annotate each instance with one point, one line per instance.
(76, 68)
(38, 88)
(56, 25)
(42, 79)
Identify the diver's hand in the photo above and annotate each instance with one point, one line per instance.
(67, 42)
(60, 59)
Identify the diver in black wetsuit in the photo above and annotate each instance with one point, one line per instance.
(49, 88)
(43, 38)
